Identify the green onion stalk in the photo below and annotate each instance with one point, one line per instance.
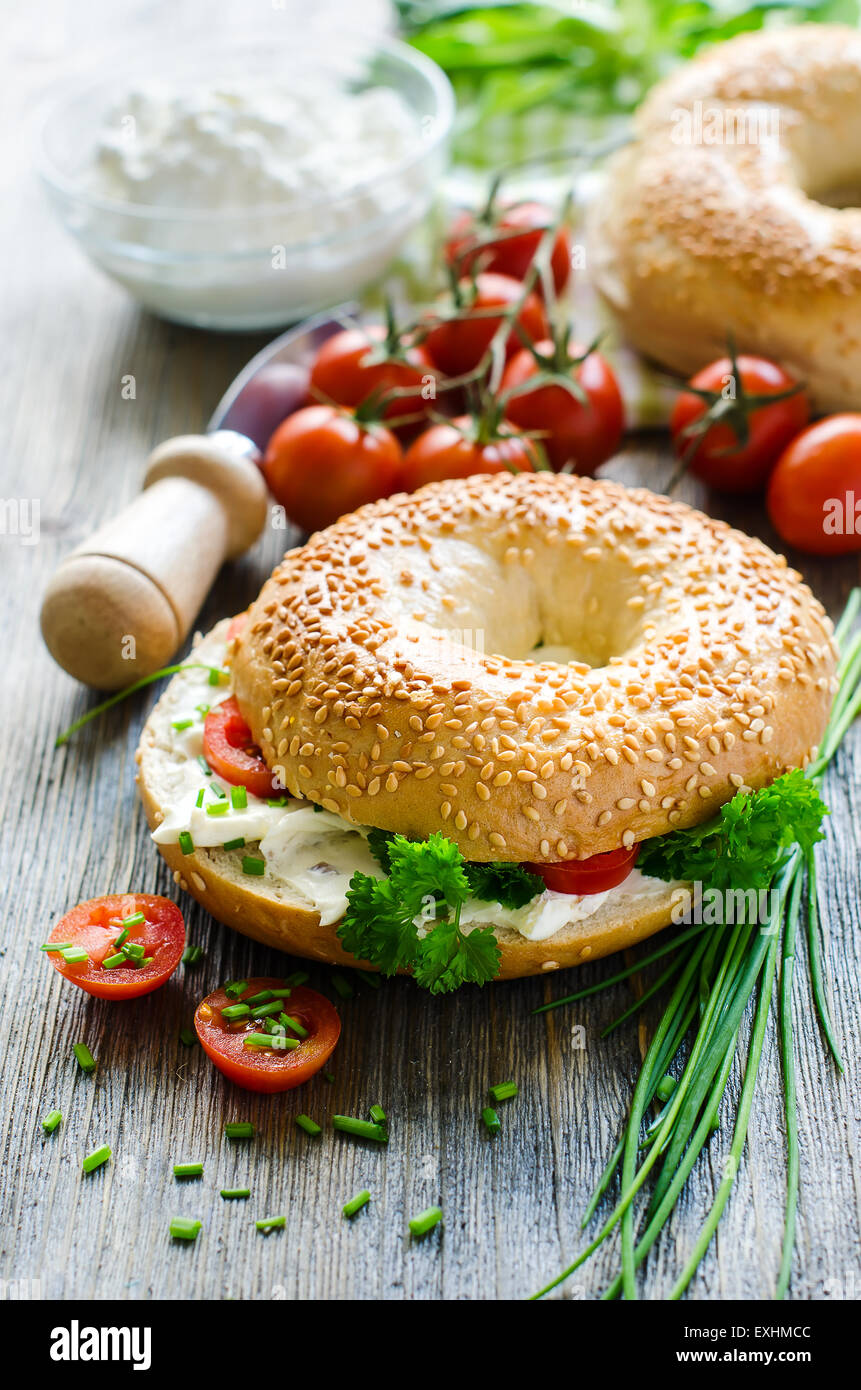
(713, 974)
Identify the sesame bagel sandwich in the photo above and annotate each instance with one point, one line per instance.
(449, 725)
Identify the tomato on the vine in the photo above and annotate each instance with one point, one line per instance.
(505, 241)
(323, 462)
(233, 1030)
(457, 450)
(725, 427)
(581, 427)
(359, 362)
(456, 345)
(814, 493)
(593, 875)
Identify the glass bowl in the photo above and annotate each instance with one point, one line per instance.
(258, 266)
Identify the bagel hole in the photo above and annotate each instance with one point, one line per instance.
(846, 197)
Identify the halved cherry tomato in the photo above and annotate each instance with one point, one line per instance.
(472, 243)
(450, 451)
(738, 451)
(322, 463)
(231, 751)
(814, 493)
(268, 1069)
(94, 927)
(457, 345)
(583, 434)
(583, 876)
(343, 372)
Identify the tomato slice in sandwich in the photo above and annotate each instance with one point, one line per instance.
(120, 946)
(233, 1033)
(593, 875)
(231, 751)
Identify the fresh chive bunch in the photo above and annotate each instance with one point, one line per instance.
(715, 972)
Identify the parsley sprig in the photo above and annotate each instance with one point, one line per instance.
(411, 919)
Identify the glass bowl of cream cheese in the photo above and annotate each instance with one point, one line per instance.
(245, 184)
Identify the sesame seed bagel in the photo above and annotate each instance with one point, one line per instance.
(543, 667)
(718, 218)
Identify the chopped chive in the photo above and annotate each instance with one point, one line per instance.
(187, 1037)
(280, 993)
(200, 795)
(238, 843)
(217, 677)
(180, 724)
(310, 1126)
(135, 949)
(369, 978)
(503, 1090)
(186, 843)
(277, 800)
(425, 1221)
(204, 765)
(298, 977)
(290, 1022)
(183, 1228)
(264, 1010)
(191, 955)
(491, 1120)
(238, 798)
(202, 710)
(327, 1076)
(96, 1159)
(217, 808)
(56, 946)
(361, 1129)
(255, 867)
(218, 792)
(234, 988)
(279, 1042)
(74, 955)
(377, 1114)
(356, 1203)
(147, 960)
(262, 997)
(232, 1194)
(137, 919)
(239, 1129)
(51, 1120)
(342, 986)
(86, 1060)
(188, 1170)
(271, 1223)
(235, 1011)
(111, 962)
(122, 938)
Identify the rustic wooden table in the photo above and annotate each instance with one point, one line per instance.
(72, 829)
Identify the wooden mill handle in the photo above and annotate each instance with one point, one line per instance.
(120, 604)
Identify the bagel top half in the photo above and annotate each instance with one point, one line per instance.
(543, 667)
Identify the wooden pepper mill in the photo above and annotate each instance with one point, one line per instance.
(120, 605)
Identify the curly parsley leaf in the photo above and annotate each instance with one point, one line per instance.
(743, 845)
(378, 843)
(508, 884)
(411, 920)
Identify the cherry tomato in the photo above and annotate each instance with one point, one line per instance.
(720, 458)
(471, 243)
(341, 371)
(321, 463)
(583, 876)
(814, 494)
(579, 434)
(268, 1069)
(449, 451)
(457, 345)
(231, 751)
(94, 927)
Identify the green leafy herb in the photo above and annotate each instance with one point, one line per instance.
(743, 846)
(508, 884)
(427, 884)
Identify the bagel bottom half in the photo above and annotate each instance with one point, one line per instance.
(269, 911)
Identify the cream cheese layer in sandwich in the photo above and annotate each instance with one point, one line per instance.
(314, 852)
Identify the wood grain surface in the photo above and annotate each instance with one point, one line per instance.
(72, 829)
